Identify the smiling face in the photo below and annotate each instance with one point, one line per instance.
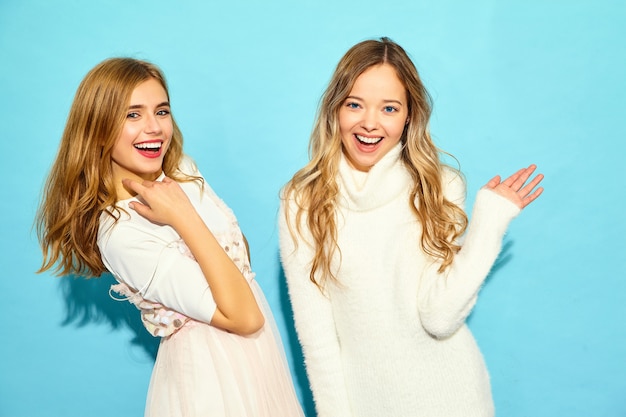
(373, 116)
(139, 151)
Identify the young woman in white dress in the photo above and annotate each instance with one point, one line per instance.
(122, 197)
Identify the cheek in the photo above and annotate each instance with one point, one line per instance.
(345, 123)
(396, 129)
(119, 150)
(128, 134)
(120, 143)
(168, 129)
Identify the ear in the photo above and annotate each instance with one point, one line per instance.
(407, 121)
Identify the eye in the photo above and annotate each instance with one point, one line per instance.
(389, 109)
(352, 105)
(132, 115)
(163, 112)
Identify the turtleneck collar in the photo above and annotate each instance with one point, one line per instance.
(361, 191)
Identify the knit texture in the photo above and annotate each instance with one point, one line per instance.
(390, 339)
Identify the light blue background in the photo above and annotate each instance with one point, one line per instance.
(513, 83)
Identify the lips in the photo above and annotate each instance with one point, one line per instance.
(150, 149)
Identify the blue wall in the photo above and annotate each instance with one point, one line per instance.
(513, 83)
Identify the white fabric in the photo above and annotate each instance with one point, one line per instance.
(390, 338)
(200, 370)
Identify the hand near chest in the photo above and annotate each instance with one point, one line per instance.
(162, 202)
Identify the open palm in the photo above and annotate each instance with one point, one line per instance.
(516, 189)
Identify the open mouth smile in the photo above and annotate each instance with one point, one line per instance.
(150, 149)
(368, 141)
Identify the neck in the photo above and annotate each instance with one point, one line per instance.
(384, 182)
(124, 193)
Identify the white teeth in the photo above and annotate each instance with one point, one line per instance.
(367, 140)
(148, 145)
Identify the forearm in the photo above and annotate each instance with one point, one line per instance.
(315, 326)
(320, 346)
(446, 299)
(237, 309)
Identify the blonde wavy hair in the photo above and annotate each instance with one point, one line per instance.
(80, 183)
(314, 188)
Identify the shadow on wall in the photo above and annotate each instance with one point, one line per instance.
(504, 257)
(87, 302)
(292, 341)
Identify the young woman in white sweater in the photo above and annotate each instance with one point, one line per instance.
(381, 264)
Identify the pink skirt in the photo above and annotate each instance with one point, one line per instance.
(202, 371)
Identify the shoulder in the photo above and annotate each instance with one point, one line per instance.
(192, 181)
(290, 203)
(188, 170)
(292, 218)
(188, 166)
(452, 178)
(453, 185)
(109, 222)
(129, 228)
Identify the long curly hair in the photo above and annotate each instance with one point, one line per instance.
(80, 185)
(315, 190)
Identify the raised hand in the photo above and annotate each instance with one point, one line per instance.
(515, 188)
(164, 201)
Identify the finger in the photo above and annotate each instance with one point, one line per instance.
(148, 183)
(511, 179)
(527, 200)
(531, 185)
(133, 185)
(140, 208)
(523, 177)
(493, 183)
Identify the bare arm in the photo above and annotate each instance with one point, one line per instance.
(166, 203)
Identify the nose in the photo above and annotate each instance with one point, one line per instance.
(153, 125)
(370, 119)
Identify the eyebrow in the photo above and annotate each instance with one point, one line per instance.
(141, 106)
(385, 101)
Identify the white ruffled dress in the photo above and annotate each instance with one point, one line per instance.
(200, 370)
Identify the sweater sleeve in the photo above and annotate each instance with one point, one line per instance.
(314, 322)
(446, 299)
(159, 270)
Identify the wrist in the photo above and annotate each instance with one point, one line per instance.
(186, 221)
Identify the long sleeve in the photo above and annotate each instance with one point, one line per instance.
(314, 322)
(446, 299)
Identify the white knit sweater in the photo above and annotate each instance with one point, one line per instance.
(390, 338)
